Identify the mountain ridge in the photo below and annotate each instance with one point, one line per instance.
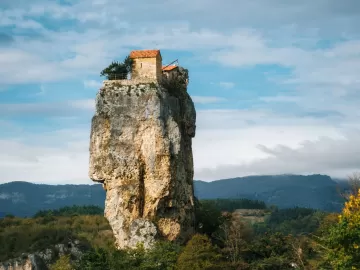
(316, 191)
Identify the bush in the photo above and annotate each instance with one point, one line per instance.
(162, 256)
(199, 254)
(63, 263)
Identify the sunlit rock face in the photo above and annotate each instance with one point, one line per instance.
(140, 149)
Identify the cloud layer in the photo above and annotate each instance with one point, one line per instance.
(275, 83)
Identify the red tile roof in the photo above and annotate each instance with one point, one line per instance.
(144, 53)
(168, 68)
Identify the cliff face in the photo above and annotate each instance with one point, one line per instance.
(140, 149)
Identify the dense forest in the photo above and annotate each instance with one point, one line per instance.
(294, 238)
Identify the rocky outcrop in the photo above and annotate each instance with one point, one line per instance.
(43, 259)
(140, 149)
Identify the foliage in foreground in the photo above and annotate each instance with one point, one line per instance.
(63, 263)
(25, 235)
(163, 256)
(342, 241)
(222, 242)
(198, 254)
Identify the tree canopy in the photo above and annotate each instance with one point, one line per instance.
(343, 239)
(118, 70)
(199, 254)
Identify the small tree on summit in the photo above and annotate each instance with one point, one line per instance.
(117, 70)
(128, 63)
(114, 71)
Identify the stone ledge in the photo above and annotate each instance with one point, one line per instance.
(129, 82)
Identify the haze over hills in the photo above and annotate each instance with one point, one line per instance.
(25, 199)
(313, 191)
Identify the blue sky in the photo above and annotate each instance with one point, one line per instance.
(275, 84)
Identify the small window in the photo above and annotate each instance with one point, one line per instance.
(141, 65)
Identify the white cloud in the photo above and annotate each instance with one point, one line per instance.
(97, 39)
(227, 84)
(323, 79)
(280, 98)
(18, 66)
(64, 163)
(328, 16)
(47, 109)
(207, 99)
(85, 104)
(337, 157)
(92, 84)
(226, 145)
(333, 69)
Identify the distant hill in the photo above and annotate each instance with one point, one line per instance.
(25, 199)
(314, 191)
(284, 191)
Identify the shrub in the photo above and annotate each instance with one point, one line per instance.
(199, 254)
(117, 70)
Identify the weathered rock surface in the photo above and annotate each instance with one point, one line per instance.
(140, 149)
(41, 260)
